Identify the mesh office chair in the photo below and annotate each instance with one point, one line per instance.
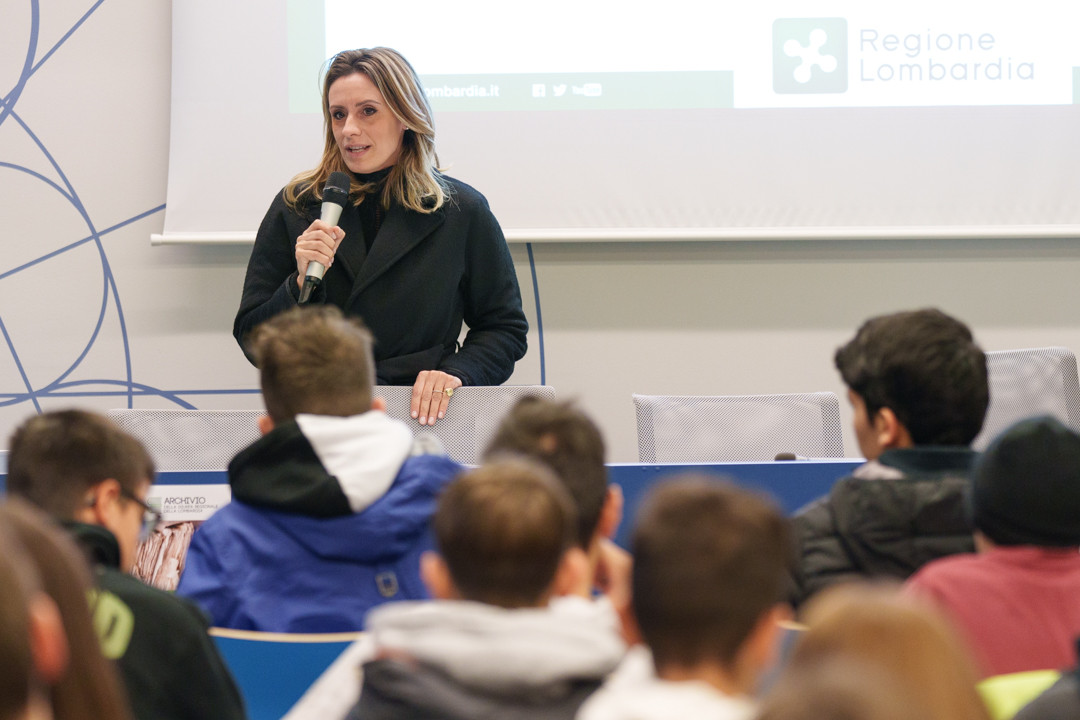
(471, 417)
(182, 440)
(1025, 383)
(737, 428)
(208, 439)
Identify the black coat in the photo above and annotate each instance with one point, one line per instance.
(892, 517)
(425, 275)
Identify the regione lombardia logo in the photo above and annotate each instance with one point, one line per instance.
(810, 55)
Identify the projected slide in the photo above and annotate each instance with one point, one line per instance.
(595, 120)
(684, 54)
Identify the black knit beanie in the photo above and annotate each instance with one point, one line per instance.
(1026, 486)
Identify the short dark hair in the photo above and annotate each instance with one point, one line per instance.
(312, 359)
(563, 438)
(56, 457)
(709, 560)
(924, 366)
(502, 530)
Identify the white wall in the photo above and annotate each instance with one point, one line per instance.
(709, 318)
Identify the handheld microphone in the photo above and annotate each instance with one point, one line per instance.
(335, 195)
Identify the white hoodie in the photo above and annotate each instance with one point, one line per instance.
(633, 692)
(498, 650)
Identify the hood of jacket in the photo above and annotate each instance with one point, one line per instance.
(320, 465)
(99, 544)
(532, 651)
(343, 488)
(926, 460)
(655, 699)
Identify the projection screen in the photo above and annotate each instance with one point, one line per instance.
(599, 120)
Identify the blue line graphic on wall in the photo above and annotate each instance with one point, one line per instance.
(63, 385)
(539, 316)
(104, 309)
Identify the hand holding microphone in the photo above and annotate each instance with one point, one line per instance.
(316, 247)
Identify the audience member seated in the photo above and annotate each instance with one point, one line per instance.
(838, 689)
(1016, 601)
(562, 437)
(83, 471)
(917, 382)
(881, 630)
(710, 564)
(330, 507)
(88, 686)
(33, 648)
(489, 646)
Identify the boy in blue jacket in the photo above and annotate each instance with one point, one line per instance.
(330, 507)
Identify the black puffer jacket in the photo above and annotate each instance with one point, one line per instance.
(891, 517)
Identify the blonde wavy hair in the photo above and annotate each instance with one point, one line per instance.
(413, 181)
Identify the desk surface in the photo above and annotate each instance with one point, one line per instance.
(791, 484)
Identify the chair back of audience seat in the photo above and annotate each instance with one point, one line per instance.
(274, 670)
(1026, 383)
(1004, 695)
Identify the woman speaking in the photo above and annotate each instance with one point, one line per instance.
(415, 253)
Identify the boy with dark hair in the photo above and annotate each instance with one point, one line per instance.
(557, 434)
(560, 436)
(93, 477)
(330, 507)
(75, 465)
(710, 565)
(918, 384)
(489, 646)
(1015, 601)
(922, 367)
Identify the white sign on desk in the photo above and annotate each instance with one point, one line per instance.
(188, 503)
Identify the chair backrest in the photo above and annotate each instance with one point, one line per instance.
(472, 416)
(737, 428)
(274, 670)
(1024, 383)
(182, 440)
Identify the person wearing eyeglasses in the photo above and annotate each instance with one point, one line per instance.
(125, 513)
(93, 478)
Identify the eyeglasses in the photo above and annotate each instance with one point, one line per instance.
(151, 517)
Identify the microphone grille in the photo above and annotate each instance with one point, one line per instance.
(339, 180)
(336, 189)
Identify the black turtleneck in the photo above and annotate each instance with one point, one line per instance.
(371, 210)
